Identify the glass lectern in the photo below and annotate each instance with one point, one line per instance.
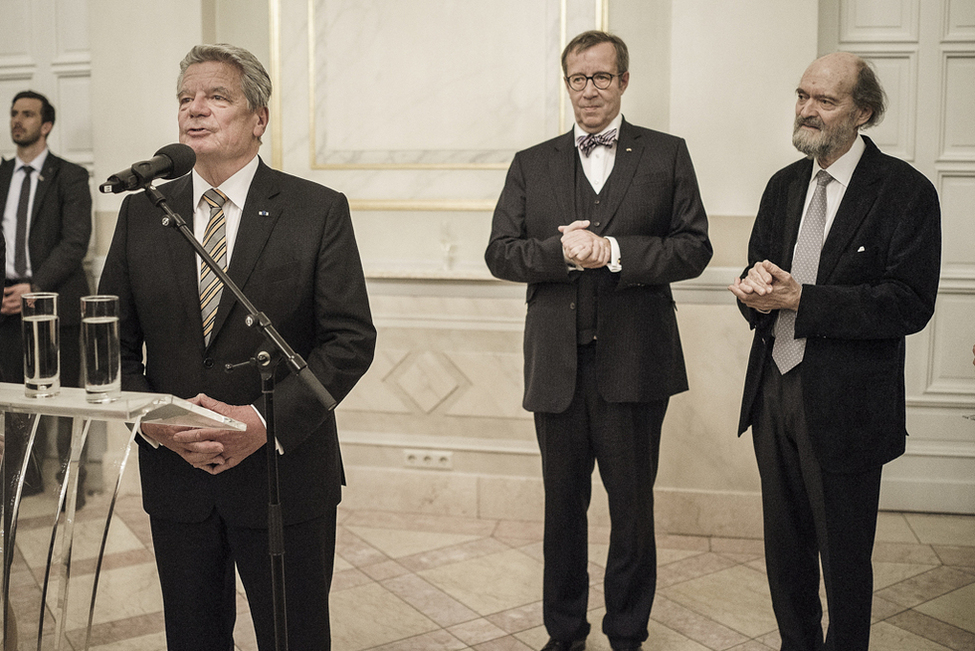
(45, 601)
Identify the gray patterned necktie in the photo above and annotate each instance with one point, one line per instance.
(788, 351)
(215, 242)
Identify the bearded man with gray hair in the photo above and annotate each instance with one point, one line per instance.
(844, 261)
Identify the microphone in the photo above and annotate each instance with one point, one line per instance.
(170, 162)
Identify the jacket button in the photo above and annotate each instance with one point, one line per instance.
(572, 306)
(208, 362)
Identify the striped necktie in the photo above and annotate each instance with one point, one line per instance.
(787, 350)
(215, 242)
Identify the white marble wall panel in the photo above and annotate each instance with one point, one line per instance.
(879, 20)
(423, 100)
(958, 135)
(495, 56)
(412, 241)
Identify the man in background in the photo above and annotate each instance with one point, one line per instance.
(47, 225)
(844, 261)
(289, 245)
(598, 222)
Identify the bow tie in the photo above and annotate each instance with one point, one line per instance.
(588, 143)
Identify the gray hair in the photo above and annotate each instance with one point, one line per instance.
(868, 94)
(594, 37)
(254, 80)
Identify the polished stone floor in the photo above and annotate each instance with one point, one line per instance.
(406, 582)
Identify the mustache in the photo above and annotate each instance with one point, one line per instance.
(809, 122)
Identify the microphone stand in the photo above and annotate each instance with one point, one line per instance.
(265, 360)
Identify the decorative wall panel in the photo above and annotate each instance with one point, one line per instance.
(898, 74)
(960, 20)
(951, 367)
(958, 127)
(879, 20)
(957, 193)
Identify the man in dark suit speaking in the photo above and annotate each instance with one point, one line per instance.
(288, 243)
(598, 222)
(46, 206)
(844, 261)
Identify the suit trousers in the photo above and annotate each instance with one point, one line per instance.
(624, 438)
(196, 563)
(812, 516)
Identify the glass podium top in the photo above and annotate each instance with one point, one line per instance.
(152, 407)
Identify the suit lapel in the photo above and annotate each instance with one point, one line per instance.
(182, 256)
(6, 173)
(857, 201)
(796, 199)
(45, 181)
(629, 152)
(563, 168)
(261, 212)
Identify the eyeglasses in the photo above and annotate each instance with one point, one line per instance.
(601, 80)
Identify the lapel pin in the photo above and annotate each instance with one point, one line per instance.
(263, 213)
(861, 250)
(628, 149)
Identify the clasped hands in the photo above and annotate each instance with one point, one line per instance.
(767, 287)
(209, 449)
(584, 248)
(11, 298)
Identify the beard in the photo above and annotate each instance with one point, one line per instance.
(825, 142)
(25, 138)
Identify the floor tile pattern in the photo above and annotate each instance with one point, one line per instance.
(407, 582)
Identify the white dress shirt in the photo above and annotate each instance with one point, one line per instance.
(598, 165)
(10, 209)
(841, 171)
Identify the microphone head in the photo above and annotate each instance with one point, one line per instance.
(183, 157)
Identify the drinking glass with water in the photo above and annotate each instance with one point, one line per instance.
(100, 358)
(42, 361)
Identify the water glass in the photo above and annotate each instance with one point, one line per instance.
(42, 361)
(101, 369)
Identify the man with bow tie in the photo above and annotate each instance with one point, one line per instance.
(598, 222)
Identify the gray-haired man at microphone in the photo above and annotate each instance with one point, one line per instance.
(288, 243)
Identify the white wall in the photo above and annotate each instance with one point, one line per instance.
(447, 375)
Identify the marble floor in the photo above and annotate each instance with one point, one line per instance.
(407, 582)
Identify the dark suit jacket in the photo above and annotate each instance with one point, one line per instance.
(877, 283)
(60, 229)
(656, 214)
(295, 257)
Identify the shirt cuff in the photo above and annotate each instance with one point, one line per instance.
(615, 264)
(277, 443)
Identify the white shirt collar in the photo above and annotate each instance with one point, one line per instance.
(842, 169)
(37, 164)
(236, 187)
(615, 124)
